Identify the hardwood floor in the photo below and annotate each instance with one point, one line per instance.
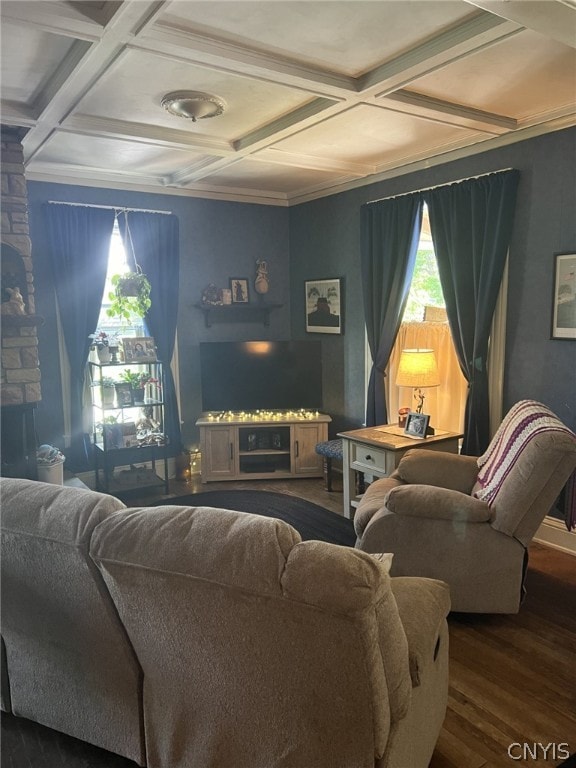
(512, 678)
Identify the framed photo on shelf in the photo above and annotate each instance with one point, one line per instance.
(112, 434)
(564, 297)
(416, 425)
(124, 397)
(323, 306)
(239, 288)
(139, 349)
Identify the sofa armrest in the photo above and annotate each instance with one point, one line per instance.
(437, 503)
(423, 605)
(445, 470)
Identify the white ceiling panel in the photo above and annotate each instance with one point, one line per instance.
(371, 135)
(28, 57)
(324, 34)
(122, 93)
(122, 156)
(321, 95)
(525, 76)
(254, 175)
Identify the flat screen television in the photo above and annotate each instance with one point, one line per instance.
(261, 375)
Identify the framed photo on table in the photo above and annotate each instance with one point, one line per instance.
(416, 425)
(564, 297)
(139, 349)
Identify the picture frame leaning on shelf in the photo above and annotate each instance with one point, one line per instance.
(139, 349)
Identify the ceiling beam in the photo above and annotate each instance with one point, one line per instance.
(420, 105)
(461, 40)
(312, 162)
(556, 20)
(145, 133)
(81, 72)
(203, 50)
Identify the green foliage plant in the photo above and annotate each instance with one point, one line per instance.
(136, 379)
(131, 295)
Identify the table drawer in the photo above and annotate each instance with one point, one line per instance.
(365, 458)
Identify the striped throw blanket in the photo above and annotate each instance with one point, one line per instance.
(524, 421)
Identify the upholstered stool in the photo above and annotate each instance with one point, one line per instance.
(330, 449)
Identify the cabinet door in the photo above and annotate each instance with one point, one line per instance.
(218, 447)
(306, 436)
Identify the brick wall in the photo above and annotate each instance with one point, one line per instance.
(20, 370)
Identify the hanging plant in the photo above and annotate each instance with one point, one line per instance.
(131, 295)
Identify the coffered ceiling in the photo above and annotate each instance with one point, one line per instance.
(320, 96)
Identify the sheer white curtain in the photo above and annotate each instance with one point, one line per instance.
(445, 403)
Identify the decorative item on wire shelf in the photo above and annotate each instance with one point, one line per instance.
(104, 348)
(149, 428)
(138, 381)
(139, 349)
(99, 348)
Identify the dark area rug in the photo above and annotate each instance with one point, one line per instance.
(310, 520)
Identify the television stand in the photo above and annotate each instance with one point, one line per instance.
(259, 444)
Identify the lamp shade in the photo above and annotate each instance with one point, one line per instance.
(418, 368)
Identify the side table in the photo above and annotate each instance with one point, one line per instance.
(378, 450)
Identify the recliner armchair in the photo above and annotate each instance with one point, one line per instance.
(466, 520)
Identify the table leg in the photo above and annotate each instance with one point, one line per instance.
(348, 478)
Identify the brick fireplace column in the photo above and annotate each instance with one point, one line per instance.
(20, 390)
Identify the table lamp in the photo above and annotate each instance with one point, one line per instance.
(418, 369)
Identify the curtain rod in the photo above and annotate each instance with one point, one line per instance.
(116, 208)
(437, 186)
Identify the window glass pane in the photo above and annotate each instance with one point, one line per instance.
(425, 290)
(117, 264)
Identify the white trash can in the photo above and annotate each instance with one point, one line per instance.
(50, 464)
(51, 473)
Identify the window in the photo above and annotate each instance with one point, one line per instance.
(425, 289)
(118, 264)
(425, 326)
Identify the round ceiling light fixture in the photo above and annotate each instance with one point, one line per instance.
(193, 105)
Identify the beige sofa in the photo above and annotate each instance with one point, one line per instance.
(69, 663)
(201, 637)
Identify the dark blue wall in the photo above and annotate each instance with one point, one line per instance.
(321, 239)
(218, 240)
(325, 242)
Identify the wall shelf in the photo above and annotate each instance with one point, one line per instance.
(236, 313)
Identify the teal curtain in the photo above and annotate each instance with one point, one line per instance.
(390, 231)
(79, 243)
(471, 225)
(153, 240)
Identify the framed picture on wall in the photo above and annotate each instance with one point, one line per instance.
(564, 297)
(323, 306)
(239, 288)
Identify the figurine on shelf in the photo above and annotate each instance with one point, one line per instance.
(211, 295)
(15, 304)
(261, 283)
